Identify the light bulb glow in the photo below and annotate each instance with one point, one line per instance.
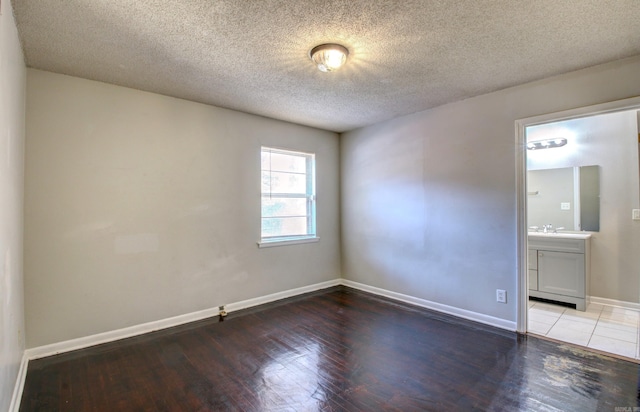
(329, 57)
(547, 144)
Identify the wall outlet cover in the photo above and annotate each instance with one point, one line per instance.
(635, 215)
(565, 206)
(501, 296)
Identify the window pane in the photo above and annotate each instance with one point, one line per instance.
(266, 182)
(283, 162)
(279, 206)
(282, 182)
(287, 182)
(284, 226)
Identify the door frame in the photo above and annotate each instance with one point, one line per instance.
(522, 282)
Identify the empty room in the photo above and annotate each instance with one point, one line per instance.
(216, 205)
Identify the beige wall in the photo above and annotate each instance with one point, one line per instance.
(429, 200)
(140, 207)
(12, 95)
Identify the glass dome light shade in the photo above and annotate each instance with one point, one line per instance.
(329, 57)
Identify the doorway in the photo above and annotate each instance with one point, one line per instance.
(604, 314)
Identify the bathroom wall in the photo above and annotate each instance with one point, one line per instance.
(609, 141)
(429, 200)
(12, 101)
(140, 207)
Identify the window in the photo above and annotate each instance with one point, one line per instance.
(288, 196)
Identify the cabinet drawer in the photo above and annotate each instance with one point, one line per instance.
(533, 279)
(557, 244)
(533, 259)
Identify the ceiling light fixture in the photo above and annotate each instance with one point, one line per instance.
(547, 144)
(329, 57)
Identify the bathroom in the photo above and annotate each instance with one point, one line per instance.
(583, 183)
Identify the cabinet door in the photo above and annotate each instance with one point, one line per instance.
(561, 273)
(533, 279)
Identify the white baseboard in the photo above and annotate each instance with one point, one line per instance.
(614, 302)
(461, 313)
(92, 340)
(14, 406)
(97, 339)
(110, 336)
(281, 295)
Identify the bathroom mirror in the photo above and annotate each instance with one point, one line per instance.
(567, 197)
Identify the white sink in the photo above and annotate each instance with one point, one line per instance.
(561, 235)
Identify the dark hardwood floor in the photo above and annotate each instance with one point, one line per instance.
(333, 350)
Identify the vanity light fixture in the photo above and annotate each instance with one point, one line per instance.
(547, 144)
(329, 57)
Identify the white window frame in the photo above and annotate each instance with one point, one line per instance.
(310, 196)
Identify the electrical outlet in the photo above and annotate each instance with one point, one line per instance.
(501, 296)
(565, 206)
(635, 214)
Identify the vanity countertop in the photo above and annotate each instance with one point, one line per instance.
(561, 235)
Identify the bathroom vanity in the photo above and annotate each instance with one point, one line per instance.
(559, 267)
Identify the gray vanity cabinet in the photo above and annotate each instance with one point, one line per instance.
(559, 268)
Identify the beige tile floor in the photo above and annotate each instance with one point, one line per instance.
(607, 328)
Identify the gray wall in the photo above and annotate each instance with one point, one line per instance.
(12, 95)
(140, 207)
(429, 200)
(609, 141)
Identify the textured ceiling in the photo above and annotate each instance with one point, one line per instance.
(252, 55)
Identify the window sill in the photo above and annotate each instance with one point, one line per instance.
(274, 243)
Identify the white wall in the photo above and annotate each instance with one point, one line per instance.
(140, 207)
(429, 200)
(611, 142)
(12, 95)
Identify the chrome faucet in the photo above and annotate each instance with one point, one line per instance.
(547, 228)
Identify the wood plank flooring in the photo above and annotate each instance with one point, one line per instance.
(332, 350)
